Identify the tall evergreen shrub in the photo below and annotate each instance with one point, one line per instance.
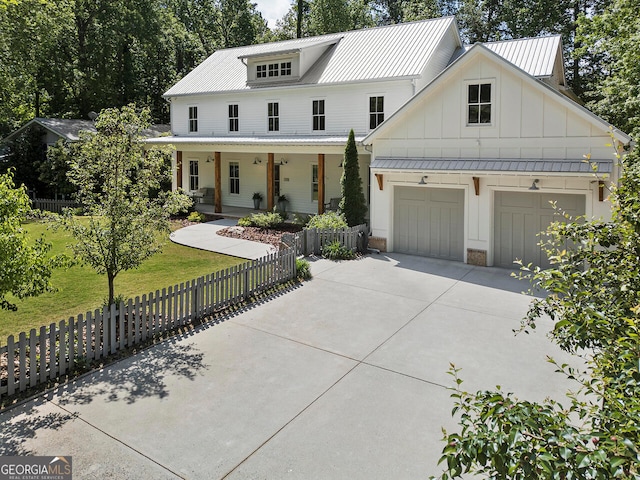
(353, 204)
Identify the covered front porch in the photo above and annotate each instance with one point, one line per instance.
(306, 172)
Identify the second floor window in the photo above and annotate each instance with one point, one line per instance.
(233, 118)
(234, 178)
(193, 175)
(318, 114)
(376, 111)
(479, 104)
(193, 119)
(273, 116)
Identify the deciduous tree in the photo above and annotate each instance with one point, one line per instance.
(25, 266)
(115, 176)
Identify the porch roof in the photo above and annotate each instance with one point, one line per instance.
(492, 165)
(298, 140)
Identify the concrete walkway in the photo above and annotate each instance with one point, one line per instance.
(342, 377)
(204, 236)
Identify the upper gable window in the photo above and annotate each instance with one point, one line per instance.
(479, 104)
(193, 119)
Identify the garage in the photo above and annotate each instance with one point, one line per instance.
(429, 222)
(519, 217)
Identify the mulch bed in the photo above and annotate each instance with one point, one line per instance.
(271, 236)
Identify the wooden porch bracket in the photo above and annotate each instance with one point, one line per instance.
(476, 185)
(601, 190)
(320, 183)
(217, 192)
(271, 184)
(380, 179)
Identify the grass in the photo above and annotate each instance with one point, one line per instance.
(80, 289)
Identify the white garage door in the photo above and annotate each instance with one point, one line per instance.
(429, 222)
(519, 217)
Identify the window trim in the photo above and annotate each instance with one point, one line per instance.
(273, 116)
(315, 182)
(194, 177)
(234, 178)
(492, 102)
(376, 115)
(320, 116)
(234, 117)
(193, 119)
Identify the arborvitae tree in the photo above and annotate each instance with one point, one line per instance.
(353, 204)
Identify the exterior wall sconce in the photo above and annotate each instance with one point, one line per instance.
(340, 164)
(256, 161)
(283, 161)
(534, 185)
(209, 159)
(423, 180)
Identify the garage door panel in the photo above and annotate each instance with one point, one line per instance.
(429, 221)
(519, 217)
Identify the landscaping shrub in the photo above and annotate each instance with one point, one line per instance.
(337, 251)
(303, 268)
(327, 221)
(196, 217)
(262, 220)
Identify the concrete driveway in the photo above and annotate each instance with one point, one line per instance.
(342, 377)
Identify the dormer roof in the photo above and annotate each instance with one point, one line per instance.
(371, 54)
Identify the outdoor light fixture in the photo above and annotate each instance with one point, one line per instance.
(209, 158)
(422, 180)
(534, 185)
(340, 166)
(283, 161)
(256, 161)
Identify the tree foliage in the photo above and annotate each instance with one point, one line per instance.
(353, 204)
(25, 266)
(593, 297)
(115, 177)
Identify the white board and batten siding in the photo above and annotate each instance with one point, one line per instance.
(529, 121)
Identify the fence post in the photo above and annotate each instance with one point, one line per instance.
(11, 356)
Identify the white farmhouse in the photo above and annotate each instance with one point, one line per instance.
(461, 148)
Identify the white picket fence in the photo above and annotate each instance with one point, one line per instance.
(53, 351)
(311, 240)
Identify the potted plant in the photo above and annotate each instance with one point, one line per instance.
(257, 199)
(282, 203)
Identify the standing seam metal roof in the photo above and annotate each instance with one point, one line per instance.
(392, 51)
(536, 56)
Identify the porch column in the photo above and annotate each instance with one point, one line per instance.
(217, 192)
(271, 184)
(320, 183)
(179, 169)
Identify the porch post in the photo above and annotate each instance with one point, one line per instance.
(179, 169)
(217, 195)
(320, 183)
(271, 185)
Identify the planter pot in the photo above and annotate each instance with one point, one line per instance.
(282, 206)
(256, 203)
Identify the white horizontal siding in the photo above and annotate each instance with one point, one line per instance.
(346, 108)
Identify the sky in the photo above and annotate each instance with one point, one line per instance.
(273, 10)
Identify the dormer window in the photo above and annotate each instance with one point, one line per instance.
(273, 69)
(261, 71)
(285, 69)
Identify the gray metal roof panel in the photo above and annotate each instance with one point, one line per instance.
(536, 56)
(392, 51)
(491, 165)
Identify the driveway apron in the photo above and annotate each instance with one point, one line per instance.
(343, 376)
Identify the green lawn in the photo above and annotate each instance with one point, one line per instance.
(80, 289)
